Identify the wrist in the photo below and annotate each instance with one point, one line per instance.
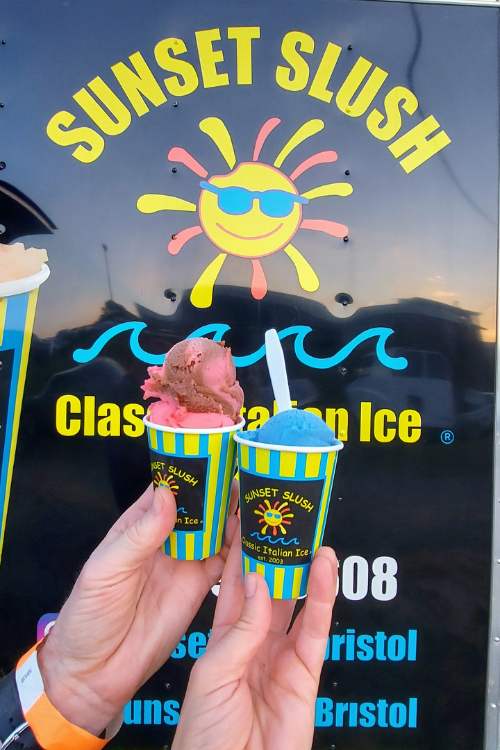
(70, 694)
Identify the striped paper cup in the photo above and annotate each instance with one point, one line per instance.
(198, 466)
(284, 499)
(18, 300)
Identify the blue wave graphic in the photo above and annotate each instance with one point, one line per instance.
(276, 539)
(219, 330)
(82, 356)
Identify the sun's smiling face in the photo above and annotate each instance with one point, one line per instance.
(273, 517)
(270, 220)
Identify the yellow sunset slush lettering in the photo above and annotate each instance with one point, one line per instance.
(355, 103)
(138, 83)
(422, 141)
(183, 475)
(370, 88)
(271, 493)
(385, 125)
(89, 144)
(99, 102)
(110, 106)
(294, 77)
(244, 36)
(319, 86)
(210, 58)
(119, 118)
(185, 79)
(300, 500)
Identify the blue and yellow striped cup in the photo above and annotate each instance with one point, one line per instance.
(284, 498)
(198, 466)
(18, 300)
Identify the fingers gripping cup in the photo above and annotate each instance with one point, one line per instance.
(198, 467)
(21, 274)
(191, 429)
(284, 499)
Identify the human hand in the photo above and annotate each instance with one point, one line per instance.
(255, 687)
(126, 613)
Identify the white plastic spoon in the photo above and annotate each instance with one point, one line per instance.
(277, 370)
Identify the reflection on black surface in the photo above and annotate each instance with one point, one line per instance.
(448, 378)
(20, 216)
(414, 242)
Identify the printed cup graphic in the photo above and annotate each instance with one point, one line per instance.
(17, 313)
(284, 498)
(198, 466)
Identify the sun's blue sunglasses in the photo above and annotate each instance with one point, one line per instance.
(237, 200)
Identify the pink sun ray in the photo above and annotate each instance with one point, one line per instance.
(332, 228)
(184, 157)
(259, 282)
(180, 238)
(263, 135)
(322, 157)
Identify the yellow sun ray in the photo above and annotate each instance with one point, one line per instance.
(153, 202)
(216, 129)
(308, 279)
(307, 130)
(333, 188)
(202, 292)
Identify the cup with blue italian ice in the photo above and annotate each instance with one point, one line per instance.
(286, 469)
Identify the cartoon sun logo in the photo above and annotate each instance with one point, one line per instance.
(252, 211)
(275, 516)
(161, 480)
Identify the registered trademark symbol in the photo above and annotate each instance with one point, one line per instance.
(447, 437)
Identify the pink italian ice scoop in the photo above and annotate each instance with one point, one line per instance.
(196, 386)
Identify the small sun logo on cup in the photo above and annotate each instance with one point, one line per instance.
(162, 480)
(252, 211)
(274, 517)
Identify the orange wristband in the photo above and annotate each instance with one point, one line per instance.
(50, 729)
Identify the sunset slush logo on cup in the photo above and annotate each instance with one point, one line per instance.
(254, 210)
(190, 429)
(22, 271)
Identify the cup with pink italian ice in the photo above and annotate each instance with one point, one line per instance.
(191, 426)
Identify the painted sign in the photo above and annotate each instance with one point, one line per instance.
(326, 169)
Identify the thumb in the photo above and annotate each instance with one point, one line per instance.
(145, 535)
(236, 648)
